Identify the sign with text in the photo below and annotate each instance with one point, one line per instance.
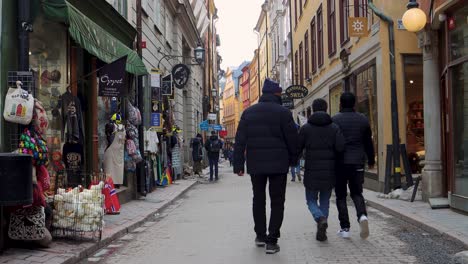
(357, 27)
(204, 126)
(287, 101)
(111, 79)
(156, 120)
(217, 127)
(297, 91)
(212, 116)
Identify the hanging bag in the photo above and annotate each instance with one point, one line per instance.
(19, 106)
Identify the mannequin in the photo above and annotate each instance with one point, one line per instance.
(114, 154)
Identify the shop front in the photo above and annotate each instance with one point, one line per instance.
(454, 80)
(84, 85)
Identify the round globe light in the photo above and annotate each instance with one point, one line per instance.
(414, 19)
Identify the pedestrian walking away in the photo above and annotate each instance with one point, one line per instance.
(296, 171)
(197, 154)
(323, 143)
(213, 146)
(267, 139)
(358, 137)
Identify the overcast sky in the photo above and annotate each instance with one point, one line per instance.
(237, 19)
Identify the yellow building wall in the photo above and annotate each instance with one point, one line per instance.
(405, 43)
(254, 92)
(229, 105)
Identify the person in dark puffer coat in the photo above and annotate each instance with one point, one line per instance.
(267, 137)
(323, 143)
(358, 136)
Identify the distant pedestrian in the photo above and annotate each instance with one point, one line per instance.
(213, 146)
(267, 138)
(296, 171)
(230, 154)
(197, 154)
(358, 137)
(323, 143)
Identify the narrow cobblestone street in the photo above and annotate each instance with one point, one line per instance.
(212, 223)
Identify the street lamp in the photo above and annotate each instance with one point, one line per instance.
(199, 54)
(414, 19)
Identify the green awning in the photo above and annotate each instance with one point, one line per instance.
(92, 37)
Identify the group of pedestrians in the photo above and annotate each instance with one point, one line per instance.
(213, 147)
(335, 150)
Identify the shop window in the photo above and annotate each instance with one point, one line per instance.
(360, 8)
(296, 68)
(48, 60)
(306, 50)
(335, 94)
(301, 64)
(458, 36)
(460, 125)
(366, 99)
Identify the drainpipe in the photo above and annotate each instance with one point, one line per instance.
(24, 27)
(141, 171)
(394, 98)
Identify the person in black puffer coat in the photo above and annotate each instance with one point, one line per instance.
(358, 136)
(323, 143)
(267, 136)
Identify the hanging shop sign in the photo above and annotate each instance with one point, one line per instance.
(204, 126)
(166, 85)
(357, 27)
(155, 79)
(156, 120)
(112, 79)
(287, 101)
(212, 116)
(180, 75)
(217, 127)
(297, 91)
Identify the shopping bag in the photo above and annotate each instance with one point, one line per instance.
(19, 106)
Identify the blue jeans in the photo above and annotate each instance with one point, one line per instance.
(296, 170)
(312, 198)
(213, 167)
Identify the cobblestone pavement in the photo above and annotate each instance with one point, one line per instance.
(212, 224)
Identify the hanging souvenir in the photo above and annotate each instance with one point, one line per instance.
(19, 105)
(40, 120)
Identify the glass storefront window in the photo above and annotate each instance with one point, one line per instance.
(48, 60)
(366, 100)
(459, 35)
(460, 123)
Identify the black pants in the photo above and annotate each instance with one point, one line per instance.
(352, 176)
(277, 188)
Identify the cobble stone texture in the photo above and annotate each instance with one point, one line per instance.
(213, 224)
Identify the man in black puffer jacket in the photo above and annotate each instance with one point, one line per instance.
(323, 142)
(267, 136)
(358, 136)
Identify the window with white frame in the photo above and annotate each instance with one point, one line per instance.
(157, 14)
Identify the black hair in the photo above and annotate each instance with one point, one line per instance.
(319, 105)
(347, 100)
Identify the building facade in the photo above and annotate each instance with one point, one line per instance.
(254, 79)
(230, 105)
(328, 60)
(264, 45)
(245, 87)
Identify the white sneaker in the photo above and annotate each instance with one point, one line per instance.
(344, 233)
(364, 224)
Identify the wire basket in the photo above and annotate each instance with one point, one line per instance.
(78, 214)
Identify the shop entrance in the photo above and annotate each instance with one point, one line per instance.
(413, 72)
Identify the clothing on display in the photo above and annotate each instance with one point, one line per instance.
(72, 118)
(151, 141)
(73, 158)
(114, 155)
(111, 200)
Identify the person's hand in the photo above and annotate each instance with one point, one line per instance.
(240, 173)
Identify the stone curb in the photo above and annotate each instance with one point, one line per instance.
(430, 228)
(88, 252)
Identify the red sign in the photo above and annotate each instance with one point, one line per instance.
(451, 23)
(223, 133)
(143, 44)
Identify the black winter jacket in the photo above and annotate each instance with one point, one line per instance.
(358, 137)
(323, 143)
(267, 136)
(209, 143)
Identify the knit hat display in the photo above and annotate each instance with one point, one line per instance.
(271, 87)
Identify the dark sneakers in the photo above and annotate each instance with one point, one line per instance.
(322, 229)
(260, 242)
(272, 248)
